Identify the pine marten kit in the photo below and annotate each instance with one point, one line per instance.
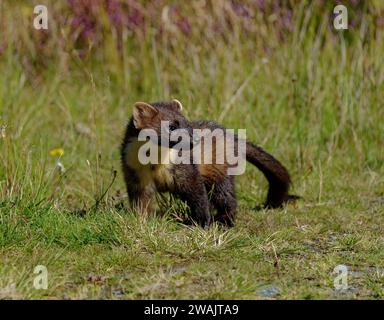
(205, 187)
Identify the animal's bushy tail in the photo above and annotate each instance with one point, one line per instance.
(276, 174)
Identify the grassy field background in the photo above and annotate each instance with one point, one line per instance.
(310, 95)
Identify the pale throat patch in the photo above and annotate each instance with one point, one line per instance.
(151, 174)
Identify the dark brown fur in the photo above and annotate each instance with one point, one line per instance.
(192, 182)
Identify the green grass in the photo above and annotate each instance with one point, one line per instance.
(315, 102)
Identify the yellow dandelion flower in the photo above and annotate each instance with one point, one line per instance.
(56, 152)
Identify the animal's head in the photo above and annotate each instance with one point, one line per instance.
(164, 118)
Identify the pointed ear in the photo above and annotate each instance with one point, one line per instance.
(142, 114)
(178, 104)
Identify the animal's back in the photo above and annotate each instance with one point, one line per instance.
(213, 164)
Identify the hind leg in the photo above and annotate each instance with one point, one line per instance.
(223, 198)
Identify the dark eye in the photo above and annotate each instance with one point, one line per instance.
(173, 126)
